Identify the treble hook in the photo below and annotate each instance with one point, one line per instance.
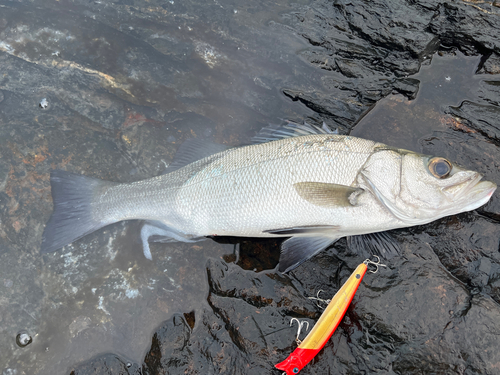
(325, 301)
(376, 264)
(301, 324)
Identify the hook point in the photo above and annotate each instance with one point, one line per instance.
(377, 264)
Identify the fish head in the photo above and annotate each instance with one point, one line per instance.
(420, 188)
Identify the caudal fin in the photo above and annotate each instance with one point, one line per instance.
(72, 217)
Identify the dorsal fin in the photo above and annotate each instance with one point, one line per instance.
(192, 150)
(291, 129)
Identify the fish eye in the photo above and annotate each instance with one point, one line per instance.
(439, 167)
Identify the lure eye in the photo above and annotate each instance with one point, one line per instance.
(439, 167)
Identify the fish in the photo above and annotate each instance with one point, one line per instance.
(301, 182)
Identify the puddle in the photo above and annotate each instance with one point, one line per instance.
(446, 81)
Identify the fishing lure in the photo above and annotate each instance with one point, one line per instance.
(327, 323)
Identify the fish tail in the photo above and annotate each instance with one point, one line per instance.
(72, 217)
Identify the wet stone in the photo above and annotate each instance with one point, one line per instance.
(466, 24)
(169, 348)
(107, 364)
(407, 87)
(482, 118)
(491, 65)
(467, 246)
(342, 113)
(249, 324)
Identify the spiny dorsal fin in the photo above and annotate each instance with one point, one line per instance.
(291, 129)
(327, 195)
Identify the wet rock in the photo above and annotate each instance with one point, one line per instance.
(386, 327)
(246, 330)
(107, 364)
(79, 325)
(245, 326)
(467, 26)
(467, 245)
(341, 112)
(366, 50)
(482, 118)
(490, 92)
(491, 65)
(169, 346)
(407, 86)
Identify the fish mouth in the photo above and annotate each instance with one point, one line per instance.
(471, 186)
(462, 189)
(467, 196)
(477, 193)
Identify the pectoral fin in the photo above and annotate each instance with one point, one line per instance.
(327, 195)
(297, 250)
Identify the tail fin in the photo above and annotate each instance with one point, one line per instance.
(72, 217)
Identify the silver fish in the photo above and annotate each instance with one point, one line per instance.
(297, 181)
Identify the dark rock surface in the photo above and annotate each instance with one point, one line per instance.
(110, 89)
